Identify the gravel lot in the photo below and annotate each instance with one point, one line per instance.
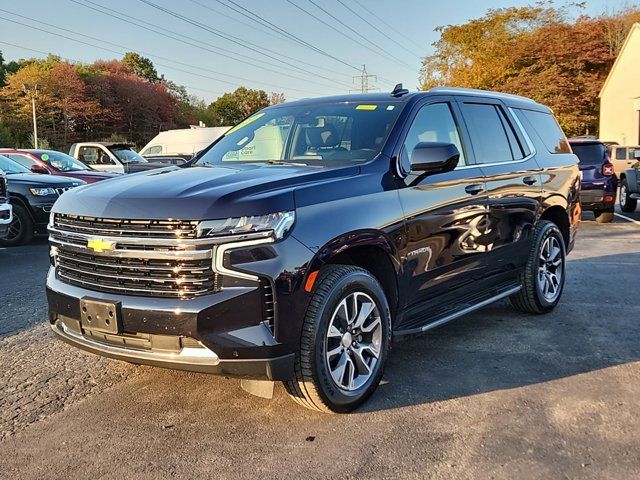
(495, 394)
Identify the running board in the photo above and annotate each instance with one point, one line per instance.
(458, 314)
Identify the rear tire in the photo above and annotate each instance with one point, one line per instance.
(544, 274)
(21, 228)
(344, 343)
(627, 204)
(604, 217)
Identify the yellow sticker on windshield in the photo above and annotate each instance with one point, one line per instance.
(366, 107)
(246, 122)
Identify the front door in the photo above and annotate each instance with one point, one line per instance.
(445, 220)
(514, 185)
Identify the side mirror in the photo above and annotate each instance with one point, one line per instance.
(434, 157)
(39, 169)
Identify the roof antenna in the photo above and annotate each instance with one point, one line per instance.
(398, 91)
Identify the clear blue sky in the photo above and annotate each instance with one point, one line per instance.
(208, 74)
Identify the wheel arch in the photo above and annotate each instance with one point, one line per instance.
(368, 249)
(16, 198)
(558, 215)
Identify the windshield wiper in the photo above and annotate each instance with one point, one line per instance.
(291, 164)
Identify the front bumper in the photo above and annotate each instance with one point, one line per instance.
(220, 334)
(6, 217)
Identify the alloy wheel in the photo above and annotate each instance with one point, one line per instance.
(550, 269)
(354, 341)
(15, 228)
(623, 194)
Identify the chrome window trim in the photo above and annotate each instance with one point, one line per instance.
(220, 250)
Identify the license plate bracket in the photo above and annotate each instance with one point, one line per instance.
(101, 316)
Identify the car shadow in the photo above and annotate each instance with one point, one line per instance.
(593, 327)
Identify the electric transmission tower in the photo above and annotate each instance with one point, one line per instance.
(364, 81)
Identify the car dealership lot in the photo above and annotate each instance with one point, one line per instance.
(494, 393)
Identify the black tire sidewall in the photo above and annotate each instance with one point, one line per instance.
(26, 231)
(549, 229)
(631, 204)
(339, 400)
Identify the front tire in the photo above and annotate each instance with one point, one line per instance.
(20, 229)
(345, 341)
(544, 274)
(627, 204)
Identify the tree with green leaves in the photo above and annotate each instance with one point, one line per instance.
(140, 66)
(232, 107)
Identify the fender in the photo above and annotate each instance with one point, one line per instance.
(631, 175)
(15, 198)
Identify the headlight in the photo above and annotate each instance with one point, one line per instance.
(279, 223)
(42, 192)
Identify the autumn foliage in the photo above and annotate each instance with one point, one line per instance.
(538, 51)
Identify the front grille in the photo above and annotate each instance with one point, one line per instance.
(143, 258)
(268, 304)
(61, 190)
(127, 228)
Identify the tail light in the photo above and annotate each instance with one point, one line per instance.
(607, 169)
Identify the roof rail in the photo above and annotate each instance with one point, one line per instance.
(398, 91)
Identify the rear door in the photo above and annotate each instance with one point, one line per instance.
(445, 216)
(514, 185)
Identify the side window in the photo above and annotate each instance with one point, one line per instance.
(433, 123)
(547, 129)
(22, 160)
(88, 155)
(491, 134)
(154, 150)
(621, 153)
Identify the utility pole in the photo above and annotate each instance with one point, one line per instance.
(363, 79)
(33, 93)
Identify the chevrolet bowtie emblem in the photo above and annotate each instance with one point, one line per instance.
(99, 245)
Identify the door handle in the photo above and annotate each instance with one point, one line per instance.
(529, 180)
(474, 188)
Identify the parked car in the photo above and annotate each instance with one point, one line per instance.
(55, 163)
(599, 184)
(6, 212)
(111, 157)
(623, 158)
(32, 196)
(170, 159)
(183, 141)
(313, 233)
(630, 185)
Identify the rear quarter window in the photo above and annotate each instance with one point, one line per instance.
(547, 128)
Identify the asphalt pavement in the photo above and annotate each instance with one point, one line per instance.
(495, 394)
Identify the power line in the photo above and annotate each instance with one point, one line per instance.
(175, 36)
(364, 79)
(385, 52)
(236, 40)
(386, 24)
(282, 32)
(376, 28)
(39, 22)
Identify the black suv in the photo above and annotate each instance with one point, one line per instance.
(32, 196)
(311, 234)
(6, 211)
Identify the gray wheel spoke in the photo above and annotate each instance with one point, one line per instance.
(338, 372)
(360, 362)
(335, 351)
(550, 269)
(334, 332)
(365, 310)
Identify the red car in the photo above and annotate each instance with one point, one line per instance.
(55, 163)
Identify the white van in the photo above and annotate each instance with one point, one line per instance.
(185, 141)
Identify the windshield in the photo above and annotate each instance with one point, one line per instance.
(321, 134)
(10, 167)
(62, 162)
(590, 153)
(126, 155)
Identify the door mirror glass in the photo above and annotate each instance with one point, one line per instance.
(434, 157)
(39, 169)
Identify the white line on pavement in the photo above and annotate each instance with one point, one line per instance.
(627, 218)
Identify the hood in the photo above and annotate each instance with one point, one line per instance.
(197, 193)
(52, 181)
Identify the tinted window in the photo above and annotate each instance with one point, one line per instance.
(621, 153)
(488, 133)
(590, 153)
(126, 155)
(62, 162)
(89, 155)
(548, 130)
(10, 167)
(433, 123)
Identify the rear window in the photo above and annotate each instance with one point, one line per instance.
(548, 130)
(590, 153)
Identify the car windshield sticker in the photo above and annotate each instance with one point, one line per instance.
(45, 157)
(366, 107)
